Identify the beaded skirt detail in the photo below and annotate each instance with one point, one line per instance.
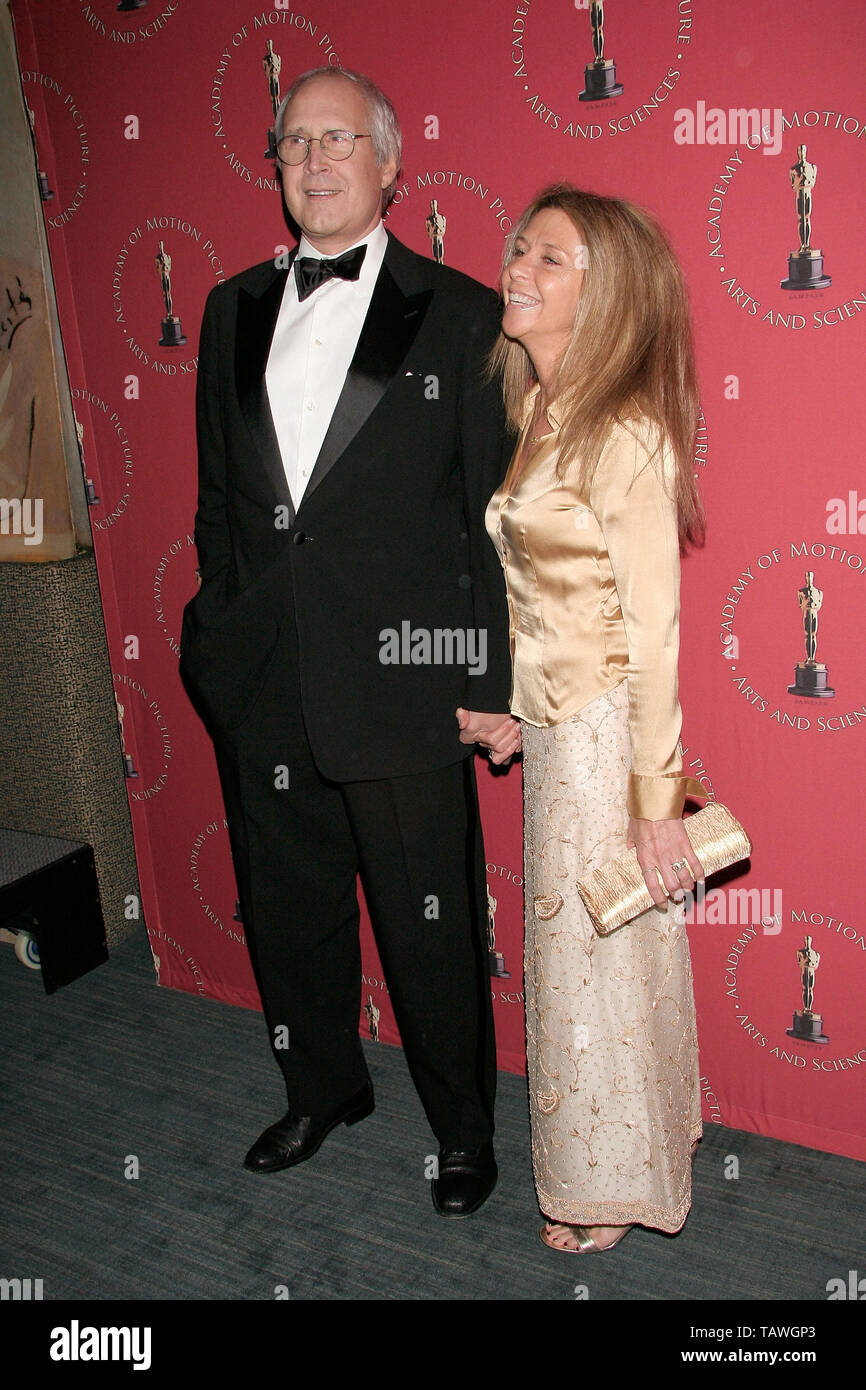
(612, 1050)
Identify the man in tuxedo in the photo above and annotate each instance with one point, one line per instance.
(348, 445)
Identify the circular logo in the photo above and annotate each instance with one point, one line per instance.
(248, 81)
(213, 881)
(779, 230)
(594, 71)
(106, 457)
(785, 634)
(505, 903)
(437, 209)
(154, 289)
(161, 943)
(804, 1020)
(152, 748)
(63, 179)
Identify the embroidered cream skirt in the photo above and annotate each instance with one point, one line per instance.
(612, 1050)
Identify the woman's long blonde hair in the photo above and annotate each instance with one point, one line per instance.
(631, 347)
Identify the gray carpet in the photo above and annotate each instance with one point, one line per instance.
(113, 1067)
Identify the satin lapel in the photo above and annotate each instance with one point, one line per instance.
(257, 318)
(392, 322)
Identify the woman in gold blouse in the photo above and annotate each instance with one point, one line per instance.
(598, 375)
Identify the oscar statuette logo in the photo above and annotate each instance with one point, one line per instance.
(107, 437)
(272, 62)
(758, 960)
(496, 958)
(59, 116)
(172, 333)
(550, 46)
(372, 1014)
(236, 92)
(175, 258)
(810, 676)
(808, 1026)
(435, 226)
(46, 192)
(506, 902)
(129, 768)
(126, 5)
(600, 75)
(756, 628)
(805, 266)
(749, 208)
(466, 194)
(145, 740)
(89, 488)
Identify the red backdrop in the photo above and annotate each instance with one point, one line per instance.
(152, 124)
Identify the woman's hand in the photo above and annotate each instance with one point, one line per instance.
(498, 733)
(663, 845)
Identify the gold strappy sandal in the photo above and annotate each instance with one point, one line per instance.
(585, 1243)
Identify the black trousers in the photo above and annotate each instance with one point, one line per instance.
(298, 841)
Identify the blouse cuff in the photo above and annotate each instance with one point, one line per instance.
(660, 796)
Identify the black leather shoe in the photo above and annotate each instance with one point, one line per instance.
(296, 1137)
(466, 1179)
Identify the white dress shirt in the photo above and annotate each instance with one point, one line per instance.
(311, 350)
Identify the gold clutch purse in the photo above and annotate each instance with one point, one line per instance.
(616, 892)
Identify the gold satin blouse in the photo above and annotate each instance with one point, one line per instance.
(593, 597)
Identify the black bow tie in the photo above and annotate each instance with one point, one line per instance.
(310, 272)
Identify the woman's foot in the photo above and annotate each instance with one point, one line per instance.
(581, 1239)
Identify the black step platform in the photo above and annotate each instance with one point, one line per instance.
(49, 888)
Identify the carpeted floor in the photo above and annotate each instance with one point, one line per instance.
(112, 1070)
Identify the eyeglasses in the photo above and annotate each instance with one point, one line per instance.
(335, 144)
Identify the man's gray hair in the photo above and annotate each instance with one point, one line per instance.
(384, 125)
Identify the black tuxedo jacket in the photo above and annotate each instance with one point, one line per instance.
(390, 530)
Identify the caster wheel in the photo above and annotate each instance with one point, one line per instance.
(27, 951)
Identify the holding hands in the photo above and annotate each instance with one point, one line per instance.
(664, 850)
(498, 733)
